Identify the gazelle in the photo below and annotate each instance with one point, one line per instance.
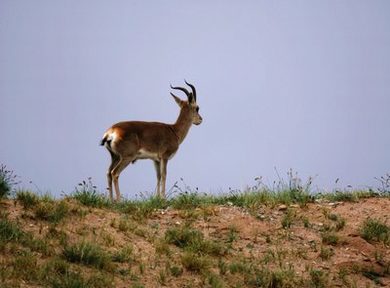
(133, 140)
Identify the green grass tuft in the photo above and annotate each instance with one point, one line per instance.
(51, 211)
(375, 230)
(195, 263)
(26, 198)
(86, 193)
(9, 231)
(87, 254)
(193, 240)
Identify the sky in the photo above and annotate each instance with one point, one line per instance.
(302, 85)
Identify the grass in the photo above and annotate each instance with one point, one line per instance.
(9, 232)
(8, 180)
(184, 241)
(193, 240)
(330, 238)
(27, 199)
(123, 255)
(375, 230)
(86, 193)
(87, 254)
(326, 253)
(51, 211)
(318, 278)
(288, 219)
(141, 209)
(348, 196)
(195, 263)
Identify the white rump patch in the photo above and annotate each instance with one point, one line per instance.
(111, 136)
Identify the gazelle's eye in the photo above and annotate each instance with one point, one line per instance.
(197, 109)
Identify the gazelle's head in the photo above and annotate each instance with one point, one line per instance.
(189, 106)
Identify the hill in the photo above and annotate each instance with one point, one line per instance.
(248, 240)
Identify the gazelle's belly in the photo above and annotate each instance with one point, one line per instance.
(144, 154)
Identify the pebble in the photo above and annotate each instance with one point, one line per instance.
(282, 207)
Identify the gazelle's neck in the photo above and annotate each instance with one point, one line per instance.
(183, 124)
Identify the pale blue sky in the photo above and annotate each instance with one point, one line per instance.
(286, 84)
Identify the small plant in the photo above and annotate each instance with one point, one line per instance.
(232, 235)
(193, 240)
(342, 274)
(195, 263)
(318, 278)
(176, 271)
(340, 224)
(27, 198)
(124, 255)
(375, 230)
(288, 219)
(162, 277)
(326, 253)
(25, 264)
(215, 281)
(162, 248)
(241, 267)
(88, 254)
(306, 222)
(7, 181)
(9, 232)
(333, 217)
(385, 184)
(265, 277)
(330, 238)
(183, 237)
(86, 193)
(140, 210)
(51, 211)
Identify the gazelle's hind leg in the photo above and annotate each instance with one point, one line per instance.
(114, 161)
(163, 171)
(158, 174)
(122, 164)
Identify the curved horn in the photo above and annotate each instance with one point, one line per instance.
(193, 89)
(182, 89)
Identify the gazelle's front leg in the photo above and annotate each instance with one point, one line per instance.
(158, 174)
(163, 171)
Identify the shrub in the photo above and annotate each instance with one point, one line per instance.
(193, 240)
(141, 210)
(51, 211)
(326, 253)
(183, 237)
(374, 229)
(124, 255)
(7, 181)
(86, 193)
(194, 262)
(330, 238)
(88, 254)
(9, 232)
(26, 198)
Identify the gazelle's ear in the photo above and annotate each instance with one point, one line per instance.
(177, 99)
(191, 98)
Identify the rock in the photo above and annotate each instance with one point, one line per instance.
(282, 207)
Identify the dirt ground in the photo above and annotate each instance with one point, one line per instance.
(279, 237)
